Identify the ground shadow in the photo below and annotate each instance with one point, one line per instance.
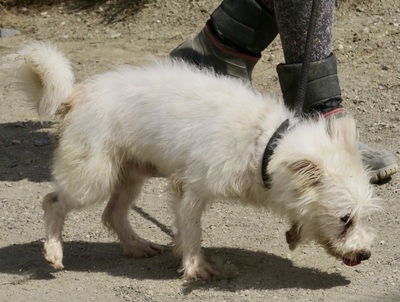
(257, 270)
(25, 149)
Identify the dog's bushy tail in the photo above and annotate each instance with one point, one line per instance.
(46, 76)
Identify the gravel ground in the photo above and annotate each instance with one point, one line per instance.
(246, 244)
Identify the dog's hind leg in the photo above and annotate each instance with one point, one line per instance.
(188, 211)
(116, 216)
(55, 211)
(176, 194)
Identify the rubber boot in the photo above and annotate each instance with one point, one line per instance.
(323, 96)
(232, 39)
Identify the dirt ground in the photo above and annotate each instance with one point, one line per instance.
(247, 245)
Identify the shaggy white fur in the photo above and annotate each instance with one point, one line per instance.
(207, 134)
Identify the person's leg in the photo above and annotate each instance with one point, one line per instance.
(233, 38)
(323, 94)
(323, 90)
(292, 19)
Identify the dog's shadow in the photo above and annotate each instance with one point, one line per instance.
(254, 269)
(25, 149)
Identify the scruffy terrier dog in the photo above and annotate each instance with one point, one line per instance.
(208, 135)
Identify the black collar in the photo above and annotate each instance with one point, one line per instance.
(269, 150)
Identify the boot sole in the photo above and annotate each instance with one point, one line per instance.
(384, 173)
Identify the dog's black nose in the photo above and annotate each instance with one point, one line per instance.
(364, 255)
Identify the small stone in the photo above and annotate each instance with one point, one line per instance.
(359, 9)
(115, 35)
(8, 32)
(40, 142)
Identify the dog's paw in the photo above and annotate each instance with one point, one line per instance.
(57, 264)
(53, 254)
(142, 249)
(199, 270)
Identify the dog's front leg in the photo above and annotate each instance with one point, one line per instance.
(116, 216)
(189, 211)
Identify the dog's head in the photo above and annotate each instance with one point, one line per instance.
(322, 185)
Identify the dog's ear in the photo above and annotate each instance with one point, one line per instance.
(309, 172)
(343, 128)
(293, 236)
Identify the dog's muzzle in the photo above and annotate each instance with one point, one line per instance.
(356, 258)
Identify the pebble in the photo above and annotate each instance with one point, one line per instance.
(115, 35)
(8, 32)
(40, 142)
(359, 8)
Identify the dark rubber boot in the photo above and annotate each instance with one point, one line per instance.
(322, 86)
(323, 96)
(232, 40)
(204, 50)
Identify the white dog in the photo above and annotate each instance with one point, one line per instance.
(207, 134)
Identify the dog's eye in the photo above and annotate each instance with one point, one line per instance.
(345, 219)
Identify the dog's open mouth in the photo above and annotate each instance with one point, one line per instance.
(349, 262)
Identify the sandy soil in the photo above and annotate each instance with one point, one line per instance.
(248, 245)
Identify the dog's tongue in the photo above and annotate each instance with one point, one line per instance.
(349, 262)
